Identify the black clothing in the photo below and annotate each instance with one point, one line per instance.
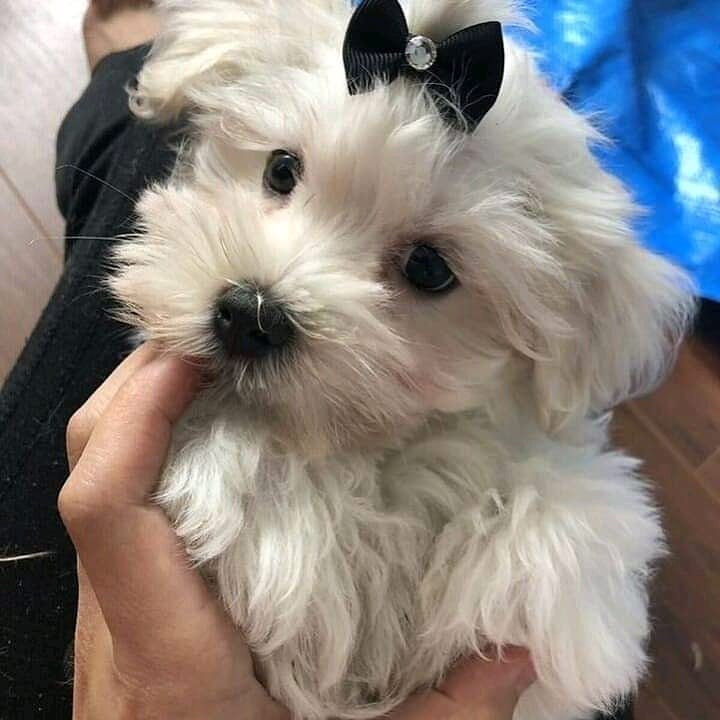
(74, 348)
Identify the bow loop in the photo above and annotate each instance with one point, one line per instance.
(374, 44)
(463, 73)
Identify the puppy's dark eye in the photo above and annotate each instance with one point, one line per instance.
(426, 269)
(282, 172)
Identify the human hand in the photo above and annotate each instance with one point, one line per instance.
(151, 639)
(476, 689)
(112, 26)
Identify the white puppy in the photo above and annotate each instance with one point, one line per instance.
(416, 332)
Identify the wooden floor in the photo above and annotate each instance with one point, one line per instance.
(676, 431)
(42, 72)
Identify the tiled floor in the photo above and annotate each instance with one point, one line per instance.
(677, 430)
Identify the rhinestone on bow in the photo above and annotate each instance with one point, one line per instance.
(421, 52)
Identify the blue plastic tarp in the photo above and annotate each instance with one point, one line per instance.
(651, 69)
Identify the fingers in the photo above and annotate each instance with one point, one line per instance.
(124, 429)
(91, 629)
(84, 420)
(125, 544)
(478, 688)
(495, 681)
(147, 624)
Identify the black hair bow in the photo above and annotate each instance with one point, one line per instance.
(463, 73)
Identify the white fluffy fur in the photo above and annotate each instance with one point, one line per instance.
(422, 475)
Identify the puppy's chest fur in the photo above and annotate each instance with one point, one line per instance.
(359, 578)
(328, 566)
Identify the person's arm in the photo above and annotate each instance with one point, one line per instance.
(151, 639)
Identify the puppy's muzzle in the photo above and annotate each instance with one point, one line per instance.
(250, 324)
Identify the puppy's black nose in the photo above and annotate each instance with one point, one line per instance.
(249, 324)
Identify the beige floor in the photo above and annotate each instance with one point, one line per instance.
(42, 72)
(677, 430)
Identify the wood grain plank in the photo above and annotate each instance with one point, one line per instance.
(42, 72)
(708, 354)
(686, 692)
(686, 409)
(30, 269)
(686, 594)
(651, 706)
(688, 506)
(709, 474)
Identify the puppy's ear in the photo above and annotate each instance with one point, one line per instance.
(626, 309)
(626, 326)
(205, 46)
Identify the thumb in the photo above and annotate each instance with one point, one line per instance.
(478, 688)
(136, 565)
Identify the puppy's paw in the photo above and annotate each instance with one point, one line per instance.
(560, 566)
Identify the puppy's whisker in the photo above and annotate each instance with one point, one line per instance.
(243, 372)
(76, 237)
(305, 331)
(71, 166)
(259, 297)
(26, 556)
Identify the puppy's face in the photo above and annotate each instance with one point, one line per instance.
(351, 265)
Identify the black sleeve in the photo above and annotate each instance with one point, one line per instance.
(105, 158)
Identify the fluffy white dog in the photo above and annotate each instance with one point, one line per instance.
(416, 330)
